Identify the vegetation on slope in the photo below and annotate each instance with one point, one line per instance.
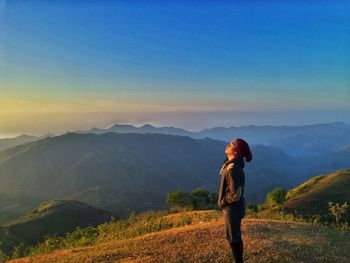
(311, 199)
(53, 218)
(156, 236)
(125, 232)
(265, 241)
(12, 207)
(121, 229)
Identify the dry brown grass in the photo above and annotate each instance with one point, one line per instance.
(265, 241)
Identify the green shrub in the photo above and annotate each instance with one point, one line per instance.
(252, 208)
(200, 198)
(185, 220)
(338, 210)
(276, 197)
(81, 237)
(50, 244)
(213, 199)
(179, 199)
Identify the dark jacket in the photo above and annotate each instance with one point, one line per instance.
(232, 186)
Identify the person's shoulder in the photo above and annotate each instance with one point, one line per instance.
(230, 166)
(233, 168)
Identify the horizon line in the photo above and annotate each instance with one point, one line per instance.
(138, 126)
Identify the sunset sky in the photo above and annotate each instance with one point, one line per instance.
(74, 64)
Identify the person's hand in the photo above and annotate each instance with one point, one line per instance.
(222, 204)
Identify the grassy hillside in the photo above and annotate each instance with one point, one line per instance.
(52, 218)
(13, 206)
(311, 198)
(202, 239)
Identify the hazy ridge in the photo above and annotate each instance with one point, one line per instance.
(134, 172)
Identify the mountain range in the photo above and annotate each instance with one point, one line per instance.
(297, 141)
(134, 172)
(121, 172)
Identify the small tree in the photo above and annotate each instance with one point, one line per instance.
(213, 199)
(253, 208)
(276, 197)
(337, 210)
(179, 199)
(200, 198)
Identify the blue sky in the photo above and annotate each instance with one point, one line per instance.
(152, 58)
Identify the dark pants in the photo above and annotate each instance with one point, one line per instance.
(232, 225)
(233, 233)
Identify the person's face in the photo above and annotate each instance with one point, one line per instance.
(230, 149)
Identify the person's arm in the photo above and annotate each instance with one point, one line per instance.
(234, 185)
(221, 201)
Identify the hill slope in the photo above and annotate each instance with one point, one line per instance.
(311, 198)
(12, 142)
(12, 206)
(265, 241)
(119, 172)
(53, 218)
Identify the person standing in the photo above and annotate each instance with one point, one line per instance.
(231, 193)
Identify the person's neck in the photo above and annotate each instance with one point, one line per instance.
(230, 157)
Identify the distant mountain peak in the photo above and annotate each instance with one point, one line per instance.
(147, 126)
(116, 125)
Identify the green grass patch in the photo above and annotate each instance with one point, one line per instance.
(305, 186)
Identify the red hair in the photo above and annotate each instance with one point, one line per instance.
(242, 149)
